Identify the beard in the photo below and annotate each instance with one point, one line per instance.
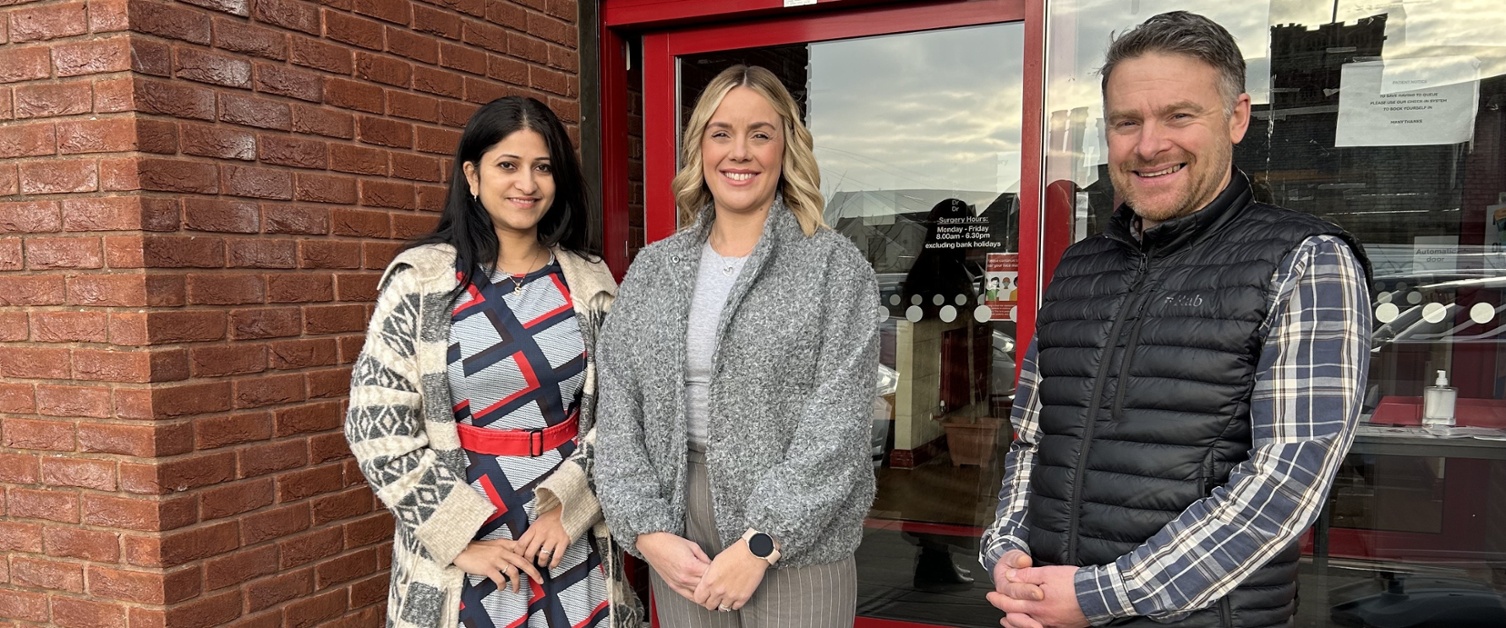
(1204, 179)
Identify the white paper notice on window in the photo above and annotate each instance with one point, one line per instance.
(798, 3)
(1414, 102)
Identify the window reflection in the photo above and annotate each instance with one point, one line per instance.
(1384, 117)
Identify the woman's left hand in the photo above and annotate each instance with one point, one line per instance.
(545, 541)
(731, 580)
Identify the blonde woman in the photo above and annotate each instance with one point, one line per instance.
(738, 371)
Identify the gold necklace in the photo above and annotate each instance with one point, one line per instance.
(517, 280)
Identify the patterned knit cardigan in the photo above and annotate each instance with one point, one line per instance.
(410, 452)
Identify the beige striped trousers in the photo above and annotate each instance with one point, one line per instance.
(817, 596)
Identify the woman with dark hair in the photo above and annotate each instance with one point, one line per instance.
(472, 403)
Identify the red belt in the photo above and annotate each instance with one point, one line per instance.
(531, 443)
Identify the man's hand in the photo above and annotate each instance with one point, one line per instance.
(1058, 604)
(1011, 561)
(545, 541)
(500, 560)
(679, 561)
(733, 577)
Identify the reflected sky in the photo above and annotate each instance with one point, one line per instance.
(935, 110)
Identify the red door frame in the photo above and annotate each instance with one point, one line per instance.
(675, 27)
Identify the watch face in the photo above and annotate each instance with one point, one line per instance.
(761, 545)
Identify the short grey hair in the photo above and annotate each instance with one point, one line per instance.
(1183, 33)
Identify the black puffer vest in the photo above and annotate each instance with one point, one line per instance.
(1147, 359)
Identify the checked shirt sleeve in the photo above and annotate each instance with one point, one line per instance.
(1308, 390)
(1008, 529)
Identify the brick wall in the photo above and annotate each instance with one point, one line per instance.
(196, 199)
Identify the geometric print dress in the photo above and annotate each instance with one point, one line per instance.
(517, 362)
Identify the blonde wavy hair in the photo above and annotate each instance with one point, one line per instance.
(799, 180)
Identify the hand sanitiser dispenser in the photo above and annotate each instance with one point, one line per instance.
(1438, 403)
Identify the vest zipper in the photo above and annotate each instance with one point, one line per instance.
(1093, 400)
(1140, 301)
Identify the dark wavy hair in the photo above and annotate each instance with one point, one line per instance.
(465, 225)
(1183, 33)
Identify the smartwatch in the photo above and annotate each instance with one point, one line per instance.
(761, 545)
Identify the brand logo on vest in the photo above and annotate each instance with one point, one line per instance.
(1185, 300)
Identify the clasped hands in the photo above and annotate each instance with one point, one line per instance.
(724, 583)
(1035, 597)
(505, 561)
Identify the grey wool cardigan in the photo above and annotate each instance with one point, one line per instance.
(402, 432)
(790, 398)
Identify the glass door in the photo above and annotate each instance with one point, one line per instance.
(917, 114)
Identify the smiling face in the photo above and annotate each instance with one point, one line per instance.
(1171, 142)
(742, 152)
(515, 181)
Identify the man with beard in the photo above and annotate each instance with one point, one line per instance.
(1196, 375)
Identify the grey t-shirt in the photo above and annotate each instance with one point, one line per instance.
(713, 283)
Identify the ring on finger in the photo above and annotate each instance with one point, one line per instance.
(546, 552)
(724, 608)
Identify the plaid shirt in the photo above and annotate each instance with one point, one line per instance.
(1308, 389)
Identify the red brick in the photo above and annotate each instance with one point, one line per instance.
(48, 22)
(348, 94)
(319, 417)
(304, 353)
(313, 53)
(10, 182)
(29, 217)
(350, 348)
(412, 45)
(44, 290)
(512, 15)
(272, 457)
(490, 37)
(234, 498)
(304, 483)
(395, 11)
(415, 167)
(387, 194)
(298, 288)
(152, 57)
(170, 21)
(360, 223)
(436, 22)
(564, 59)
(169, 175)
(163, 251)
(356, 31)
(549, 80)
(107, 135)
(73, 401)
(34, 363)
(13, 325)
(257, 182)
(222, 360)
(24, 64)
(383, 69)
(90, 545)
(255, 111)
(265, 323)
(23, 537)
(314, 610)
(268, 592)
(268, 390)
(331, 383)
(190, 399)
(156, 136)
(64, 253)
(456, 114)
(17, 398)
(350, 503)
(333, 319)
(59, 177)
(215, 432)
(47, 574)
(283, 150)
(413, 106)
(78, 613)
(224, 571)
(177, 100)
(238, 36)
(507, 69)
(409, 226)
(23, 605)
(16, 468)
(68, 326)
(369, 592)
(119, 213)
(281, 80)
(260, 253)
(92, 57)
(527, 48)
(357, 159)
(114, 94)
(318, 188)
(291, 14)
(29, 140)
(345, 568)
(221, 215)
(309, 547)
(436, 140)
(328, 447)
(34, 434)
(360, 287)
(146, 587)
(308, 119)
(225, 289)
(137, 513)
(80, 472)
(330, 254)
(61, 506)
(217, 141)
(112, 365)
(204, 612)
(131, 440)
(483, 91)
(440, 82)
